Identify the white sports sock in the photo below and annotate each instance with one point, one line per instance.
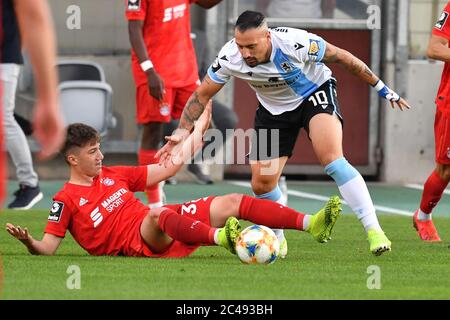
(424, 216)
(354, 190)
(216, 235)
(356, 194)
(306, 221)
(156, 205)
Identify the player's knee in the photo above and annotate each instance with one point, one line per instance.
(327, 159)
(155, 213)
(234, 201)
(263, 185)
(230, 204)
(444, 172)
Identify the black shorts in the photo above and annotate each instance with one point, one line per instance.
(270, 144)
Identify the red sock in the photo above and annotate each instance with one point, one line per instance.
(432, 192)
(185, 229)
(270, 214)
(146, 157)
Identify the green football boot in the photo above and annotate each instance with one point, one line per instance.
(322, 223)
(229, 233)
(378, 241)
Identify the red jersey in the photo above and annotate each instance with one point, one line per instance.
(101, 217)
(442, 29)
(167, 36)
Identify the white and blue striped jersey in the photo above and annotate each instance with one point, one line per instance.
(293, 73)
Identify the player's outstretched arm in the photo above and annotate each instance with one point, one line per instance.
(182, 152)
(438, 49)
(355, 66)
(193, 109)
(47, 246)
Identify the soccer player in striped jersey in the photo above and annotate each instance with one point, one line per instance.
(286, 68)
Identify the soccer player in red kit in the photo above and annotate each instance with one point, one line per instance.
(164, 68)
(438, 49)
(99, 209)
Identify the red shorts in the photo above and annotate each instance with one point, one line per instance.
(197, 209)
(442, 133)
(148, 109)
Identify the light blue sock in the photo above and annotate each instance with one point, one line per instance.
(341, 171)
(276, 196)
(273, 195)
(354, 190)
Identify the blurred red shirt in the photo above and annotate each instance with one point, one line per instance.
(442, 29)
(167, 36)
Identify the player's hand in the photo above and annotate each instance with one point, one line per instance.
(401, 103)
(394, 98)
(48, 127)
(19, 233)
(155, 84)
(175, 142)
(169, 150)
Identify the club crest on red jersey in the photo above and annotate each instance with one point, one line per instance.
(164, 110)
(107, 182)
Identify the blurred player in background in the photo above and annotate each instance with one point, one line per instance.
(22, 21)
(99, 209)
(164, 69)
(436, 183)
(36, 36)
(286, 68)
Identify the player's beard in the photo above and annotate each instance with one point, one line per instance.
(251, 62)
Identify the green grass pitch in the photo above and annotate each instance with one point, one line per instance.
(340, 269)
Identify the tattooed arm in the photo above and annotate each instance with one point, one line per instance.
(197, 102)
(355, 66)
(191, 112)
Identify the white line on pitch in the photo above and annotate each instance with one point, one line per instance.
(420, 187)
(318, 197)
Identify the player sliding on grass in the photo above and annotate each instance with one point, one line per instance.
(99, 209)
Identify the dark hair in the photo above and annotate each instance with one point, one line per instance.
(79, 135)
(249, 20)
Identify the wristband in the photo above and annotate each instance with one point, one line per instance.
(379, 85)
(385, 92)
(146, 65)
